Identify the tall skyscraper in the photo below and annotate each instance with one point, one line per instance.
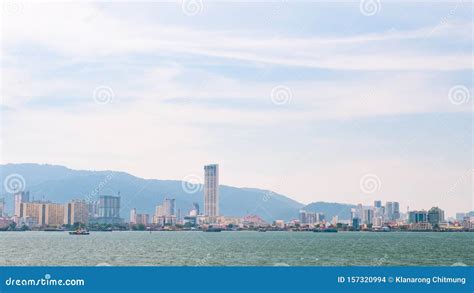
(211, 191)
(377, 204)
(133, 216)
(77, 211)
(389, 210)
(396, 210)
(368, 216)
(109, 209)
(19, 197)
(169, 206)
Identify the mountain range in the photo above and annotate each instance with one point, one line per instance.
(61, 184)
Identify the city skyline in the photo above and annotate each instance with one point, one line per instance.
(309, 105)
(213, 180)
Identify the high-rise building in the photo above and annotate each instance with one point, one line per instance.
(2, 207)
(377, 204)
(54, 214)
(389, 210)
(396, 211)
(356, 223)
(77, 211)
(133, 216)
(368, 216)
(18, 198)
(32, 213)
(143, 219)
(196, 207)
(211, 191)
(109, 209)
(169, 206)
(417, 217)
(303, 217)
(435, 216)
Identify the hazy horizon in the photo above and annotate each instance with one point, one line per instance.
(317, 101)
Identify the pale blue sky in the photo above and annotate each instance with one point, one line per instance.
(369, 94)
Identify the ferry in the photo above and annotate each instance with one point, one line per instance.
(330, 230)
(79, 232)
(212, 229)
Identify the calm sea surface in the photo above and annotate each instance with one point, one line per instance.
(236, 249)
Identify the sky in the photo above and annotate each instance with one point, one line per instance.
(347, 101)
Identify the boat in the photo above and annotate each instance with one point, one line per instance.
(329, 230)
(53, 230)
(212, 229)
(79, 232)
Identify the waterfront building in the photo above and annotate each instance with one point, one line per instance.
(356, 223)
(435, 216)
(389, 210)
(253, 221)
(143, 219)
(109, 210)
(468, 223)
(360, 211)
(211, 192)
(2, 207)
(417, 217)
(54, 214)
(377, 222)
(159, 211)
(396, 211)
(353, 214)
(31, 213)
(303, 217)
(93, 209)
(377, 204)
(18, 198)
(77, 211)
(164, 220)
(368, 216)
(133, 216)
(169, 207)
(178, 216)
(309, 218)
(190, 220)
(279, 224)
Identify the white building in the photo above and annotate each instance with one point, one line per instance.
(211, 191)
